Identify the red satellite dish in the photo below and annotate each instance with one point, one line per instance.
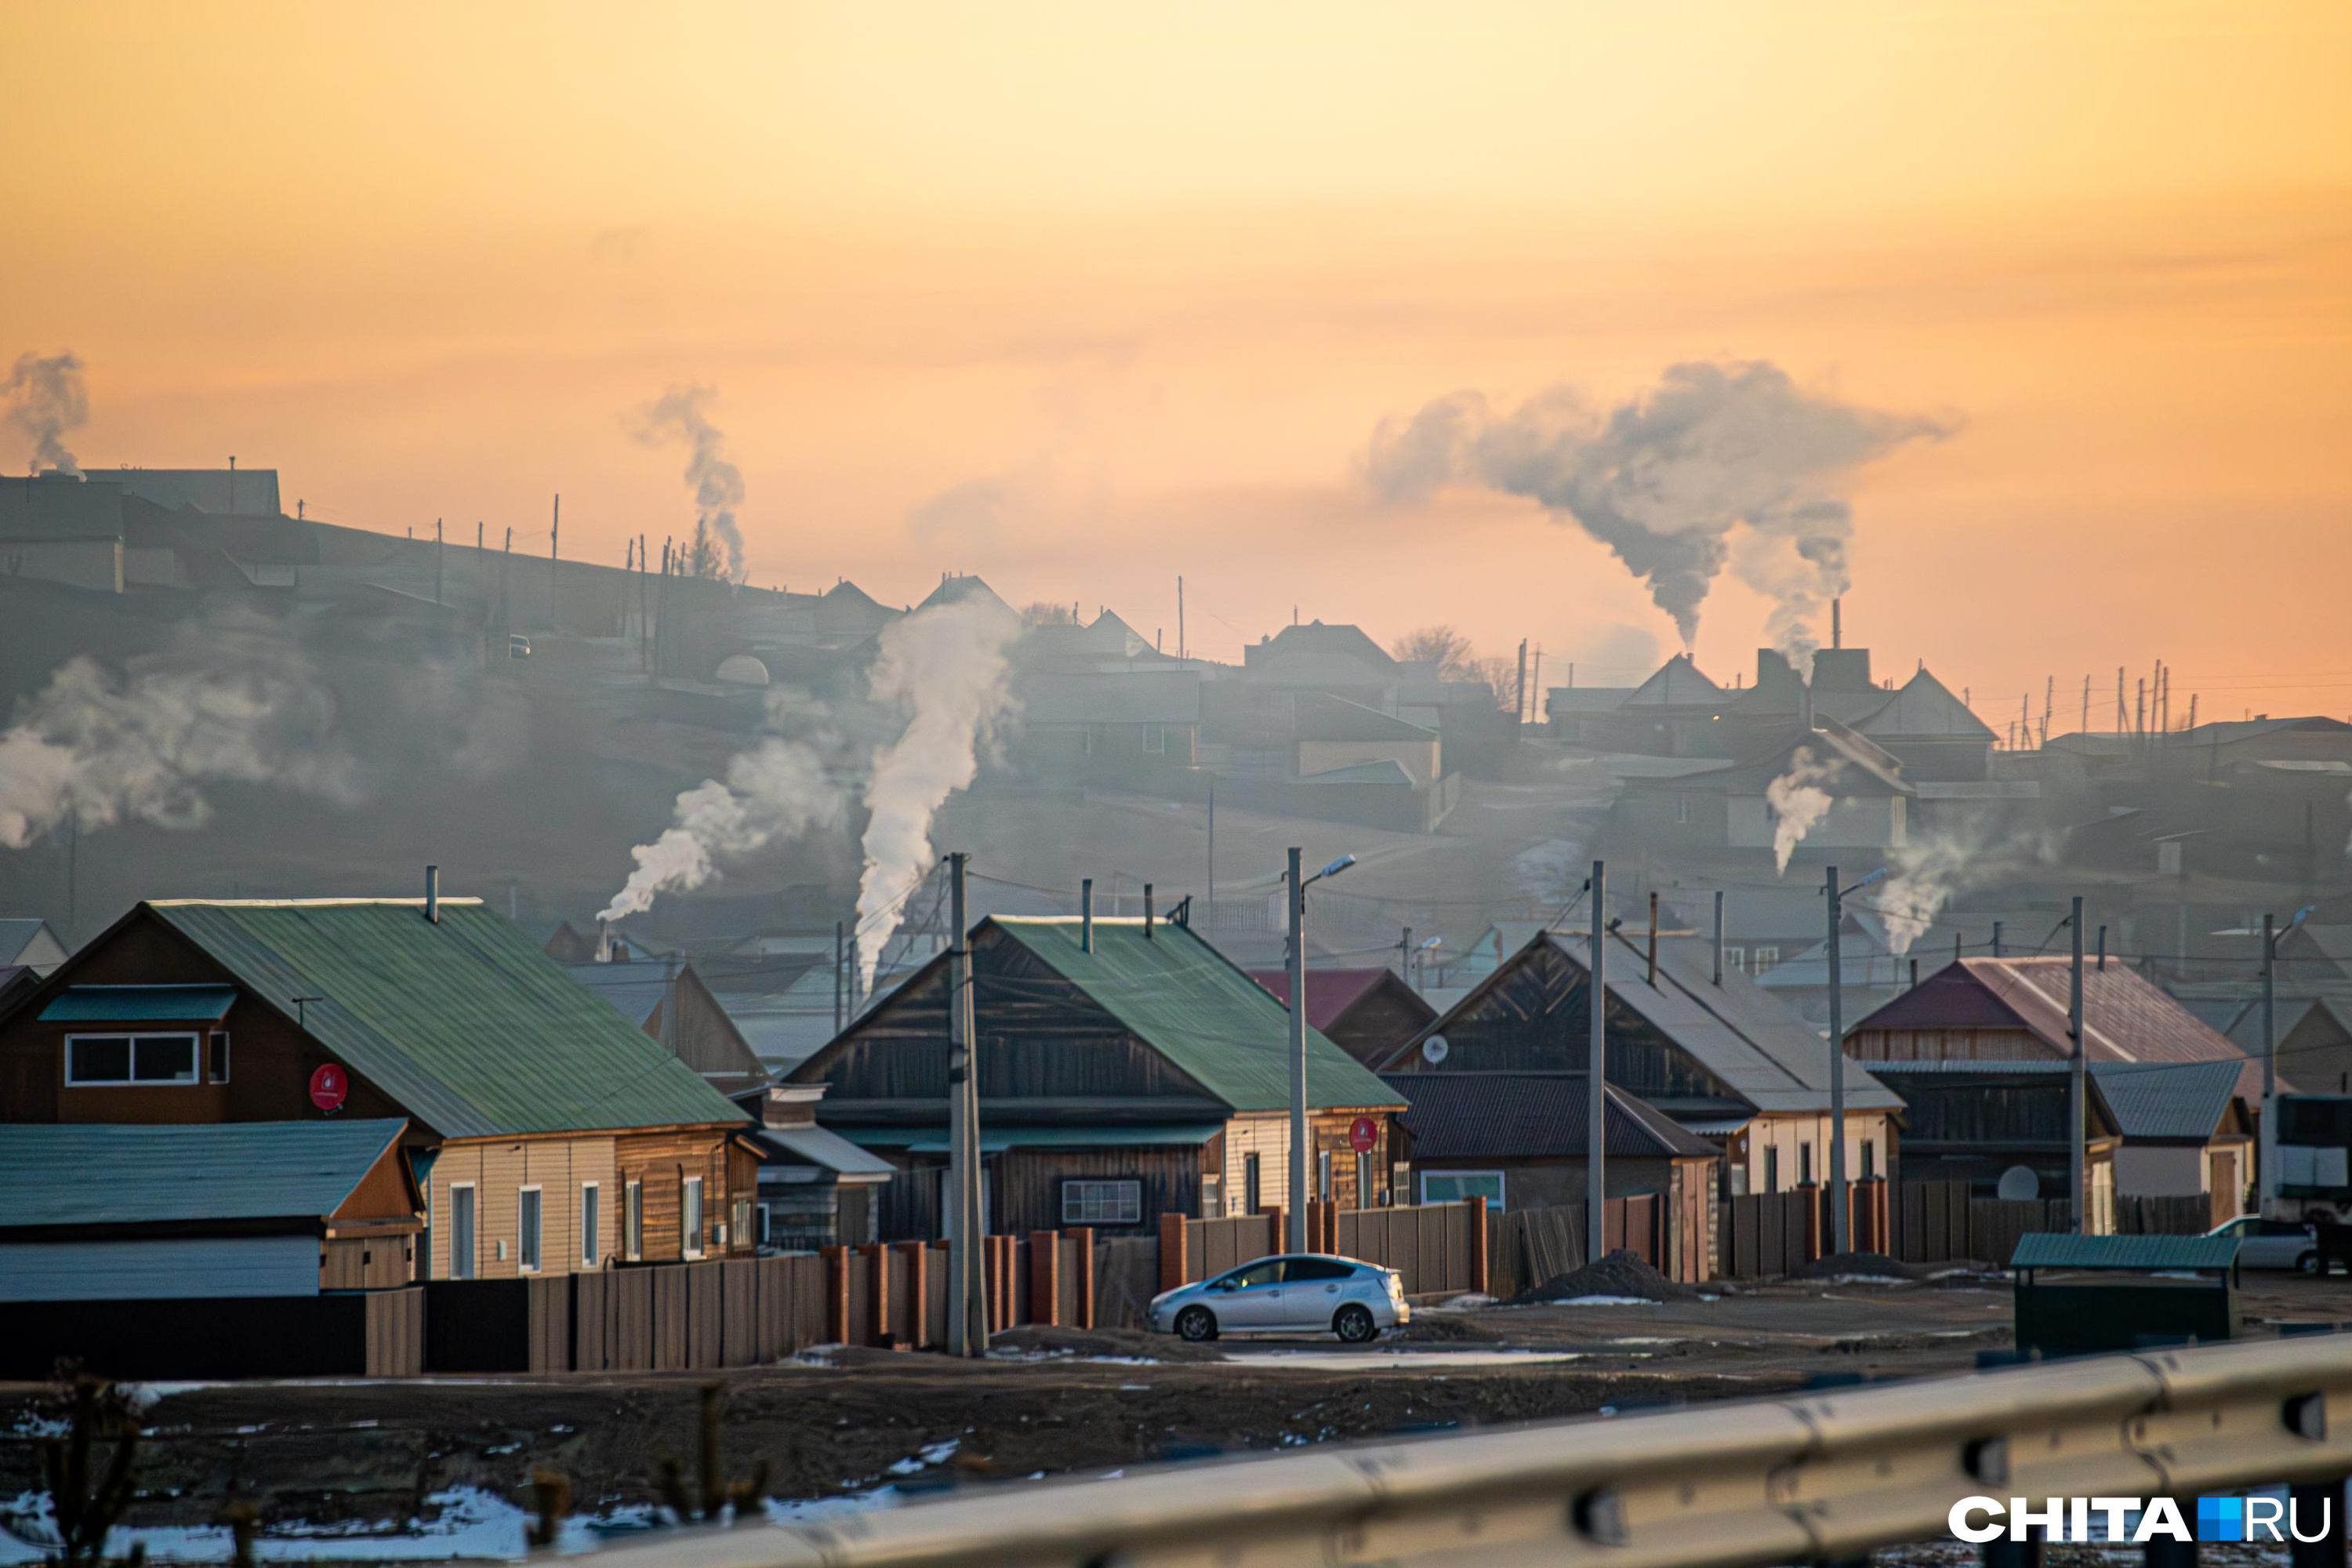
(1363, 1135)
(329, 1086)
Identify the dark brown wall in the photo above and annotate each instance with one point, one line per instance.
(270, 1063)
(662, 1161)
(384, 1193)
(1381, 1022)
(368, 1263)
(1025, 1184)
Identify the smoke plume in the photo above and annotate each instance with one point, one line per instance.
(1798, 802)
(1668, 480)
(677, 416)
(1929, 871)
(46, 398)
(946, 665)
(780, 788)
(95, 751)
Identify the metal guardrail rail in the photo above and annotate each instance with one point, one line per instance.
(1819, 1478)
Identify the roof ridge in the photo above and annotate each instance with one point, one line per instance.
(303, 903)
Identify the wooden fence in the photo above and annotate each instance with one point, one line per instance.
(2190, 1213)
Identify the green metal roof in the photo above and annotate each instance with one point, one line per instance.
(1188, 1002)
(462, 1020)
(2041, 1249)
(139, 1004)
(926, 1139)
(86, 1174)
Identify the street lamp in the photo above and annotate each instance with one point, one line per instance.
(1297, 1225)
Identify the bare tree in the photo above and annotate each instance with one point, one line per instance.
(1443, 646)
(705, 557)
(1041, 613)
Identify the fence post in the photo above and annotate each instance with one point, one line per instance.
(1171, 1251)
(836, 1295)
(918, 1301)
(1279, 1217)
(1331, 1226)
(1477, 1215)
(1084, 1239)
(1314, 1225)
(876, 1257)
(1812, 1223)
(1046, 1277)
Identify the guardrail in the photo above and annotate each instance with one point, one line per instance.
(1821, 1478)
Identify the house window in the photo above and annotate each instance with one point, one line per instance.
(592, 1224)
(1804, 1164)
(527, 1230)
(767, 1225)
(1682, 808)
(738, 1228)
(1086, 742)
(1869, 1160)
(1155, 739)
(1212, 1197)
(129, 1058)
(1736, 960)
(1323, 1175)
(219, 1069)
(1453, 1186)
(461, 1231)
(690, 1208)
(1102, 1203)
(1772, 1169)
(1253, 1189)
(1766, 957)
(633, 1220)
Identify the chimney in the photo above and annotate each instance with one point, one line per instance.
(1086, 915)
(1837, 622)
(433, 894)
(1718, 936)
(1147, 911)
(1653, 941)
(2102, 947)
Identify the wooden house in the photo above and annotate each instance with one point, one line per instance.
(1519, 1141)
(1722, 1060)
(670, 1002)
(99, 1212)
(2000, 1126)
(548, 1132)
(1367, 1013)
(1126, 1069)
(817, 1189)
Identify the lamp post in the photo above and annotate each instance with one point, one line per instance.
(1295, 1241)
(1839, 1240)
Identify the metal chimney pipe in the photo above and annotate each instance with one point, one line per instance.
(2102, 947)
(1837, 622)
(1147, 911)
(1086, 915)
(1654, 942)
(433, 894)
(1718, 936)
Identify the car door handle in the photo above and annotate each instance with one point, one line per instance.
(1331, 1289)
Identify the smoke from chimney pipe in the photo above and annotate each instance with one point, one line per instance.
(677, 416)
(1718, 464)
(46, 397)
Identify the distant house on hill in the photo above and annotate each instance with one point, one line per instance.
(1126, 1069)
(696, 1029)
(1367, 1013)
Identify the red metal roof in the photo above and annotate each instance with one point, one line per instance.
(1329, 992)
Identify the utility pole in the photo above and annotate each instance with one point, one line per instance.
(2087, 705)
(967, 1225)
(2077, 1096)
(1211, 924)
(840, 956)
(554, 537)
(1596, 1077)
(1519, 695)
(1718, 936)
(1996, 939)
(1405, 953)
(2266, 1145)
(1180, 615)
(437, 563)
(1838, 1240)
(1296, 1220)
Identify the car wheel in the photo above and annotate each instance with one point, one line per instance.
(2311, 1263)
(1354, 1324)
(1196, 1323)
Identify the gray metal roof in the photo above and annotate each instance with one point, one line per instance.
(2167, 1100)
(2055, 1249)
(817, 1146)
(1531, 1115)
(87, 1173)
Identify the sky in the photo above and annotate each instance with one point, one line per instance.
(1084, 297)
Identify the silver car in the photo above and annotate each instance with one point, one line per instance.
(1295, 1293)
(2274, 1244)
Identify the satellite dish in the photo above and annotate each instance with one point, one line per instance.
(2019, 1185)
(1433, 1049)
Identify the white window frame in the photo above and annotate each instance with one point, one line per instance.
(1155, 739)
(1502, 1184)
(1736, 960)
(1107, 1196)
(132, 1039)
(1323, 1177)
(1681, 808)
(216, 1037)
(530, 1244)
(472, 1261)
(1766, 957)
(591, 1223)
(690, 1217)
(633, 1220)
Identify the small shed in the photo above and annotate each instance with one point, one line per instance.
(106, 1212)
(2082, 1295)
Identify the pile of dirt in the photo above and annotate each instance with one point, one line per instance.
(1097, 1344)
(1866, 1266)
(1619, 1274)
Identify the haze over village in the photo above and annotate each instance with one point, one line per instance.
(1593, 722)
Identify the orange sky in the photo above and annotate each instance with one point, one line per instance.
(1138, 286)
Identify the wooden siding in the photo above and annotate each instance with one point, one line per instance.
(367, 1262)
(1537, 1017)
(1025, 1184)
(662, 1162)
(1949, 1045)
(1268, 1137)
(499, 1168)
